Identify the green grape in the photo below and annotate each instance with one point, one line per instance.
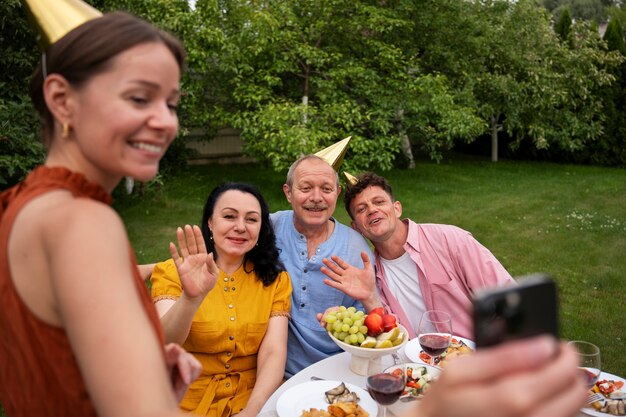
(353, 339)
(359, 314)
(342, 335)
(348, 321)
(353, 329)
(337, 326)
(363, 329)
(336, 334)
(347, 339)
(339, 315)
(360, 338)
(329, 327)
(345, 327)
(351, 309)
(330, 318)
(342, 308)
(358, 322)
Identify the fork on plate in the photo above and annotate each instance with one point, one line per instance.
(593, 397)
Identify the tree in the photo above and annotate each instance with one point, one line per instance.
(563, 26)
(610, 148)
(524, 81)
(20, 147)
(561, 107)
(308, 73)
(588, 10)
(591, 10)
(614, 37)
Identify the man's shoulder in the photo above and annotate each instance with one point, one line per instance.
(348, 234)
(279, 217)
(436, 232)
(345, 229)
(438, 228)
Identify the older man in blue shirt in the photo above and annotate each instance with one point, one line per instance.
(305, 235)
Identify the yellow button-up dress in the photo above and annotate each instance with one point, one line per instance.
(226, 334)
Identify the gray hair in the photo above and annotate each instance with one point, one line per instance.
(292, 168)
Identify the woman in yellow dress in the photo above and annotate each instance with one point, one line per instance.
(238, 330)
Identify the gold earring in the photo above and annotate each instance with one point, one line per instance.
(66, 130)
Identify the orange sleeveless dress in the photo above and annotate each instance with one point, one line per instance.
(39, 375)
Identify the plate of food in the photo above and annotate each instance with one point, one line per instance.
(325, 398)
(611, 388)
(458, 346)
(418, 377)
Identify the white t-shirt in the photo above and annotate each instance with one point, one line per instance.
(402, 280)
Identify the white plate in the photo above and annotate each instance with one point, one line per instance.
(603, 375)
(412, 349)
(311, 395)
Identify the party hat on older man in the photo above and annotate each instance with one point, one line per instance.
(53, 19)
(334, 153)
(351, 178)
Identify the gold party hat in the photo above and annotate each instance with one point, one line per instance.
(334, 153)
(351, 178)
(53, 19)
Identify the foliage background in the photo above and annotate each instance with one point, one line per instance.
(404, 78)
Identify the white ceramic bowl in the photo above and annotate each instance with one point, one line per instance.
(362, 358)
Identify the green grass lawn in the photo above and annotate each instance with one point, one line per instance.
(567, 220)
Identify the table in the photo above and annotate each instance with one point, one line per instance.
(335, 367)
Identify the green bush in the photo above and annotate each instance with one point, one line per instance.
(20, 148)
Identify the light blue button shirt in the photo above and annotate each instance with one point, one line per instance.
(308, 342)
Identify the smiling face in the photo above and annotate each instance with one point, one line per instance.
(375, 215)
(313, 193)
(235, 225)
(123, 119)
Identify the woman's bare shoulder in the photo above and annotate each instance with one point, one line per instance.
(60, 213)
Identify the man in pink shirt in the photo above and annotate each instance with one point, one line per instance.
(419, 267)
(429, 266)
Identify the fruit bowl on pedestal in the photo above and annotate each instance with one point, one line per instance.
(364, 357)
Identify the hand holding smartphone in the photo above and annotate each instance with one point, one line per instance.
(514, 312)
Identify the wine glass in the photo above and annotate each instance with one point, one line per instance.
(435, 333)
(386, 388)
(589, 355)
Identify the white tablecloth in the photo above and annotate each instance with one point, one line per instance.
(337, 368)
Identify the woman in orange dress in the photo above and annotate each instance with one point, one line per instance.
(237, 330)
(80, 335)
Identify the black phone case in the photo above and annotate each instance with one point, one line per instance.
(508, 313)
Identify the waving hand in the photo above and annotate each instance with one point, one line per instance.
(357, 283)
(197, 269)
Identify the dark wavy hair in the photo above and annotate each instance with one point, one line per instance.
(89, 49)
(264, 255)
(364, 180)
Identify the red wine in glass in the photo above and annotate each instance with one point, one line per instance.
(434, 343)
(385, 388)
(435, 332)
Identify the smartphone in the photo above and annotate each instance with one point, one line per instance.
(515, 312)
